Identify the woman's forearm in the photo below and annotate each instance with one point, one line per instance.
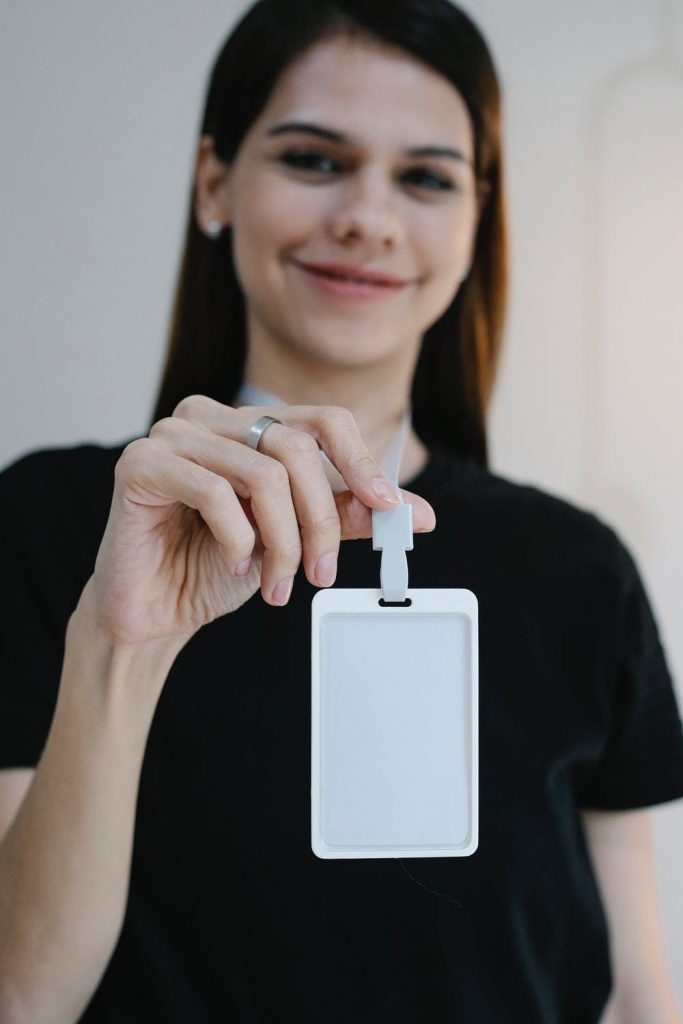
(65, 861)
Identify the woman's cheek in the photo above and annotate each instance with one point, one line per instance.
(280, 206)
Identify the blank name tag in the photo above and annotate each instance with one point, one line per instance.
(394, 724)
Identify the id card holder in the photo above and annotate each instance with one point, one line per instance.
(394, 723)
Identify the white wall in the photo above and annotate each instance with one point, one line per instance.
(99, 110)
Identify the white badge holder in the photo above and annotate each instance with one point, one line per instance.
(394, 726)
(394, 713)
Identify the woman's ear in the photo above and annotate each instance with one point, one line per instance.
(212, 178)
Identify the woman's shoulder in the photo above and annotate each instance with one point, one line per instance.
(60, 482)
(521, 516)
(50, 464)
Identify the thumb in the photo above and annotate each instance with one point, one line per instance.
(356, 518)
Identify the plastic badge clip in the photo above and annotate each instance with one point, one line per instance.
(392, 534)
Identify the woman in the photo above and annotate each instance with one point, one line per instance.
(159, 866)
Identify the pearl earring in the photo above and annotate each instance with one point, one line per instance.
(214, 229)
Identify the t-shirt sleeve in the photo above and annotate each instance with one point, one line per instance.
(641, 762)
(39, 593)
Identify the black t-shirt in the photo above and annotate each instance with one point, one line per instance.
(231, 916)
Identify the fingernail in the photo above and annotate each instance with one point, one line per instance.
(242, 568)
(326, 569)
(282, 591)
(385, 490)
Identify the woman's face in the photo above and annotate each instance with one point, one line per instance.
(294, 196)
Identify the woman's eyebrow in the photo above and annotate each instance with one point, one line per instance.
(333, 136)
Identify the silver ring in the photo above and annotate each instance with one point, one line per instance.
(258, 428)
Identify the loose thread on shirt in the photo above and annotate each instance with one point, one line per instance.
(426, 887)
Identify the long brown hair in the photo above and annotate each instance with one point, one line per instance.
(456, 366)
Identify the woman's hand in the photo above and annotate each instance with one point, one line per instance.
(199, 520)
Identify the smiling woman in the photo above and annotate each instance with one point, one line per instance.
(385, 130)
(390, 166)
(290, 225)
(342, 288)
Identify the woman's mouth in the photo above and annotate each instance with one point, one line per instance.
(348, 286)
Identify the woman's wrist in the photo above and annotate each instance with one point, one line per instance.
(129, 677)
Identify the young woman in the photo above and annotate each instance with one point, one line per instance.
(343, 274)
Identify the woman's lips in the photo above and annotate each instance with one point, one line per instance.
(335, 285)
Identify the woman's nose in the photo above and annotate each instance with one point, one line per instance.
(366, 210)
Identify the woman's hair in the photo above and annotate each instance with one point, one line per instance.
(455, 369)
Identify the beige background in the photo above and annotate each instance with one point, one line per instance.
(99, 110)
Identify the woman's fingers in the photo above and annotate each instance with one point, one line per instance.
(356, 518)
(333, 427)
(302, 458)
(248, 474)
(290, 497)
(148, 474)
(314, 503)
(335, 430)
(292, 502)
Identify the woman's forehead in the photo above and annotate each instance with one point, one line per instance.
(369, 91)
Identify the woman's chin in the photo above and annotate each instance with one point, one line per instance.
(345, 356)
(345, 345)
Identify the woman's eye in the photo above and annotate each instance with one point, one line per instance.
(307, 160)
(432, 182)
